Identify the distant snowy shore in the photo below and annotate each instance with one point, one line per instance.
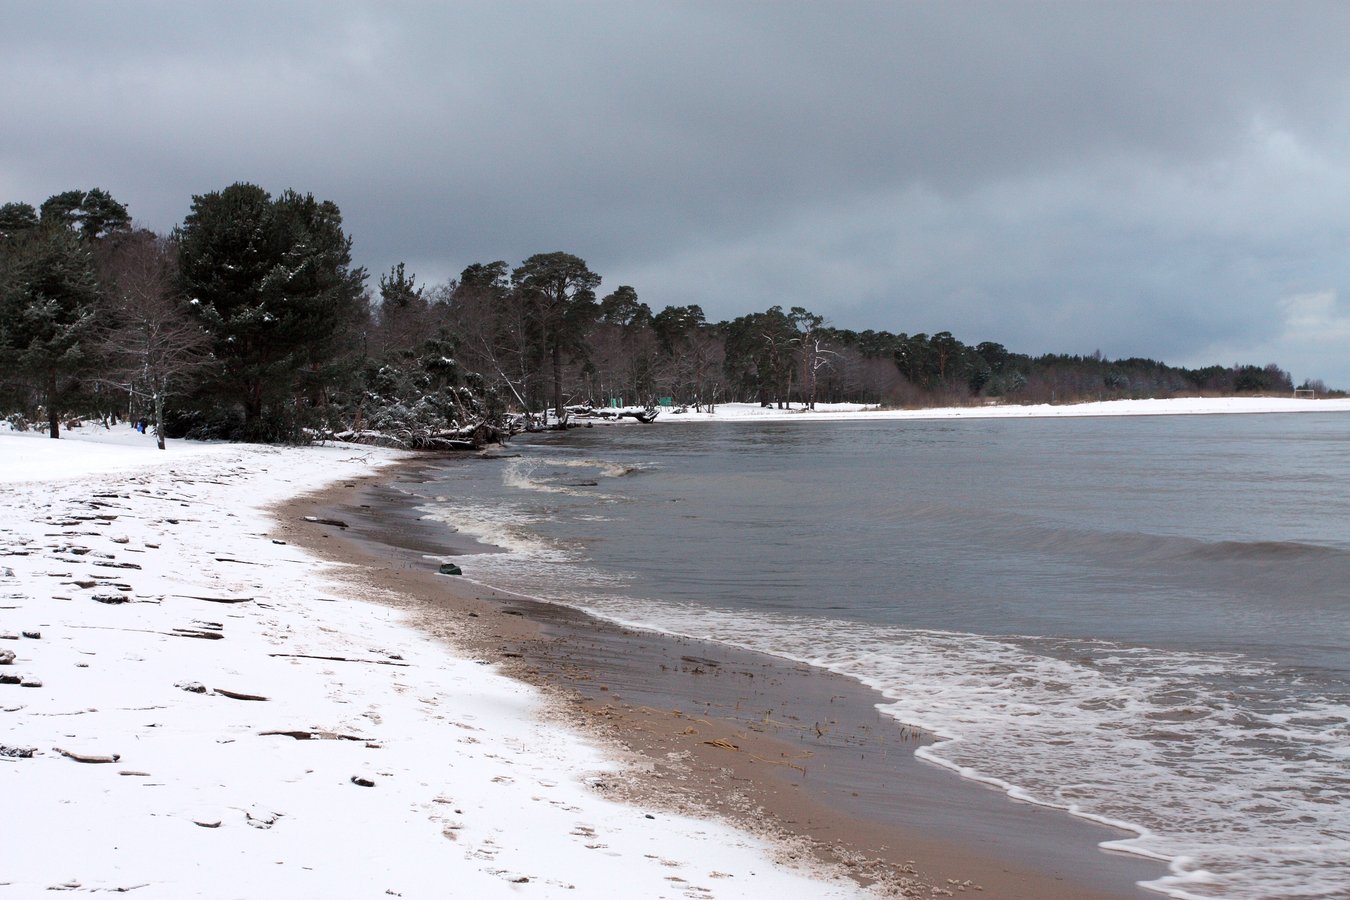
(190, 708)
(1193, 406)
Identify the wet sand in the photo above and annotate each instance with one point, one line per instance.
(789, 751)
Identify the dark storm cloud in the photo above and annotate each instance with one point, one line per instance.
(1147, 179)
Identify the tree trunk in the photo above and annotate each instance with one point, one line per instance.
(159, 419)
(53, 420)
(557, 384)
(253, 394)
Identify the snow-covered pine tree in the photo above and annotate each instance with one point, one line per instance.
(272, 283)
(48, 294)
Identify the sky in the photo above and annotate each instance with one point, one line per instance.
(1168, 180)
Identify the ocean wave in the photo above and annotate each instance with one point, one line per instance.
(542, 475)
(1274, 551)
(1232, 768)
(508, 532)
(1206, 760)
(1136, 547)
(1203, 758)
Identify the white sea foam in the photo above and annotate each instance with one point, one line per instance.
(606, 467)
(520, 473)
(541, 475)
(1124, 736)
(1210, 781)
(1233, 769)
(500, 529)
(511, 528)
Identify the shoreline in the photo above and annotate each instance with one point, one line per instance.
(194, 707)
(859, 412)
(716, 731)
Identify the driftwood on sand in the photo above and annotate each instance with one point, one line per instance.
(214, 599)
(236, 695)
(373, 662)
(476, 436)
(89, 757)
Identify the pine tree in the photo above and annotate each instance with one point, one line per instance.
(560, 291)
(490, 321)
(94, 213)
(272, 283)
(48, 294)
(62, 210)
(100, 215)
(16, 218)
(405, 318)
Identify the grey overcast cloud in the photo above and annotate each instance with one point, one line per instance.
(1169, 180)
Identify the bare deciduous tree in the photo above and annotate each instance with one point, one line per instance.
(153, 345)
(492, 325)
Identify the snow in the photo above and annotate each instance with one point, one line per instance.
(473, 793)
(859, 411)
(35, 457)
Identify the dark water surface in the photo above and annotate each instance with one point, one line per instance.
(1145, 621)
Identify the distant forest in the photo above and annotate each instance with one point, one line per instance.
(250, 322)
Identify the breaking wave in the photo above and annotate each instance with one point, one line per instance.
(560, 476)
(1173, 747)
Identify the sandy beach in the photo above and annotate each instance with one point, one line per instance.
(778, 748)
(210, 689)
(193, 706)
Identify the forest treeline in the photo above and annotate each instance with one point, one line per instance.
(249, 321)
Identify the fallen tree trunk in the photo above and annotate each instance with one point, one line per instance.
(473, 436)
(89, 758)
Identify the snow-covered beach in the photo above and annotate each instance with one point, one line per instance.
(196, 710)
(163, 608)
(1180, 406)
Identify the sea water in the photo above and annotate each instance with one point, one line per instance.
(1142, 621)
